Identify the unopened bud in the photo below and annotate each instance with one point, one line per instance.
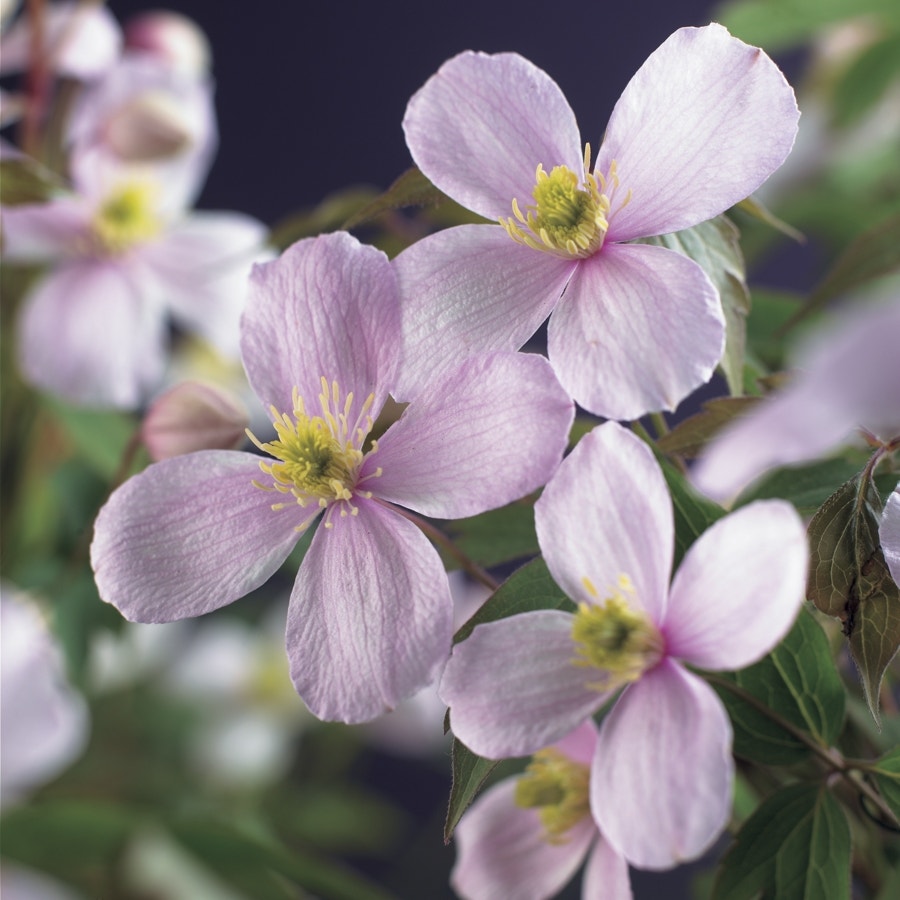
(173, 38)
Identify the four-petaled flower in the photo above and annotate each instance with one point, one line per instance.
(635, 328)
(370, 618)
(605, 526)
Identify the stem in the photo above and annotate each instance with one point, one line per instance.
(435, 534)
(659, 424)
(831, 757)
(37, 82)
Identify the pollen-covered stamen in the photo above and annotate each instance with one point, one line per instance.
(126, 218)
(615, 638)
(569, 216)
(557, 787)
(319, 456)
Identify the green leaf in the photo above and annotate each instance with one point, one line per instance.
(807, 486)
(873, 254)
(258, 867)
(329, 215)
(27, 181)
(867, 78)
(796, 845)
(752, 207)
(690, 436)
(528, 589)
(470, 772)
(850, 580)
(498, 536)
(887, 777)
(798, 682)
(714, 245)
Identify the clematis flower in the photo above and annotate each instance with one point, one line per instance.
(634, 328)
(125, 256)
(524, 838)
(605, 526)
(370, 614)
(847, 379)
(889, 534)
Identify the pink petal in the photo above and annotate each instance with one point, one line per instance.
(607, 513)
(45, 232)
(702, 124)
(480, 127)
(890, 533)
(581, 743)
(502, 854)
(327, 307)
(639, 328)
(606, 875)
(512, 687)
(371, 616)
(467, 290)
(204, 262)
(490, 432)
(739, 587)
(93, 332)
(188, 535)
(662, 777)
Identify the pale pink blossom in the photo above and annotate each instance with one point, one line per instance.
(510, 851)
(889, 533)
(634, 327)
(370, 616)
(662, 773)
(847, 379)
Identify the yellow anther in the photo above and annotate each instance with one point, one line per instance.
(557, 787)
(127, 218)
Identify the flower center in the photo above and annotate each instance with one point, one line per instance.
(569, 218)
(126, 218)
(557, 787)
(318, 456)
(615, 638)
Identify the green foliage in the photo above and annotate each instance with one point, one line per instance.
(714, 245)
(849, 579)
(796, 845)
(799, 683)
(25, 181)
(690, 436)
(887, 777)
(498, 536)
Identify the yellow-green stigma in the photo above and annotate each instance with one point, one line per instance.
(127, 218)
(568, 217)
(557, 787)
(615, 638)
(318, 457)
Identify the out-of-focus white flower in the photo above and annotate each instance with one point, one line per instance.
(170, 37)
(43, 722)
(81, 40)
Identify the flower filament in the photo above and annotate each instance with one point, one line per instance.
(615, 638)
(126, 218)
(557, 787)
(568, 218)
(318, 457)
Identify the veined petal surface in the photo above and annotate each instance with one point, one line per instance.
(701, 125)
(639, 328)
(480, 126)
(371, 616)
(739, 587)
(467, 290)
(512, 686)
(328, 306)
(93, 332)
(478, 438)
(189, 535)
(502, 852)
(607, 513)
(663, 757)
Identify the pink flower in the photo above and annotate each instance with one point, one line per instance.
(847, 380)
(605, 525)
(370, 616)
(524, 838)
(889, 533)
(125, 257)
(634, 328)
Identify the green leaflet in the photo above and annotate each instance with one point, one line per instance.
(849, 579)
(797, 681)
(796, 845)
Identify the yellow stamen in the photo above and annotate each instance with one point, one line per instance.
(319, 457)
(568, 218)
(127, 218)
(557, 787)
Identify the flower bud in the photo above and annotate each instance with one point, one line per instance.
(171, 37)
